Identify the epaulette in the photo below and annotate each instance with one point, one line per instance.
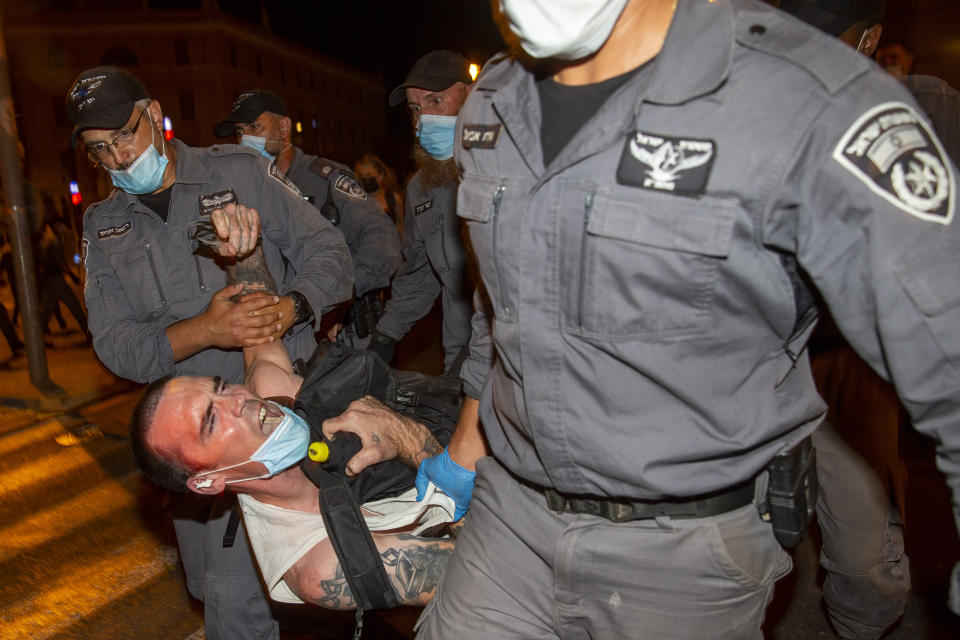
(228, 149)
(778, 34)
(325, 168)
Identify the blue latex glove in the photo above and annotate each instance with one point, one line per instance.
(451, 478)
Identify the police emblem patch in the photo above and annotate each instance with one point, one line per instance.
(284, 180)
(892, 150)
(480, 136)
(113, 231)
(665, 163)
(216, 200)
(423, 206)
(349, 186)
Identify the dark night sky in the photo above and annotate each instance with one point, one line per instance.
(387, 37)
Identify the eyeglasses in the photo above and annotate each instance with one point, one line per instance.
(100, 151)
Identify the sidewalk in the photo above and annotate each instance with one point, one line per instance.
(72, 365)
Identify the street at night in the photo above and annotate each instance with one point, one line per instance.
(399, 204)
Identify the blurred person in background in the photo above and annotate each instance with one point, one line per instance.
(380, 182)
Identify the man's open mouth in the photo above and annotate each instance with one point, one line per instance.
(270, 416)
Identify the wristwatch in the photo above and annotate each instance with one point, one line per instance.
(301, 308)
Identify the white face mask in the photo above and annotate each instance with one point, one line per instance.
(565, 29)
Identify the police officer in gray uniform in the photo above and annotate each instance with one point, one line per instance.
(867, 573)
(435, 262)
(159, 306)
(640, 208)
(259, 119)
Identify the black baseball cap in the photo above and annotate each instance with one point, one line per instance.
(434, 72)
(102, 98)
(247, 107)
(834, 16)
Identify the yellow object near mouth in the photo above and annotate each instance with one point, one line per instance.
(318, 451)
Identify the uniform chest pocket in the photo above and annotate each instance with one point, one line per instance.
(135, 263)
(480, 202)
(649, 265)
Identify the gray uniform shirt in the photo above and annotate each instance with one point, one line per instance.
(143, 275)
(941, 103)
(647, 326)
(373, 240)
(435, 263)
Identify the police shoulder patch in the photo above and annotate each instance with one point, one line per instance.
(892, 150)
(350, 187)
(284, 180)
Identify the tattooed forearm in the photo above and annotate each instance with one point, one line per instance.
(253, 272)
(414, 569)
(416, 443)
(336, 593)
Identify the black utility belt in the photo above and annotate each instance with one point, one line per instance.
(703, 506)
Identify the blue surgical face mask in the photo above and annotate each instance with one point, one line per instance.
(283, 448)
(145, 175)
(258, 143)
(437, 134)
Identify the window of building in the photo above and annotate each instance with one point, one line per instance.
(259, 65)
(188, 109)
(233, 55)
(181, 52)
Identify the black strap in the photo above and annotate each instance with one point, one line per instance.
(230, 533)
(352, 542)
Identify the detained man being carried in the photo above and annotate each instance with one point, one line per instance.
(202, 435)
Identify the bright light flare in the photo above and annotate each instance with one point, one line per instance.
(474, 71)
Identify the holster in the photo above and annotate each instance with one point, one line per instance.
(792, 493)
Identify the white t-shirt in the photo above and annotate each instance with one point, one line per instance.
(280, 537)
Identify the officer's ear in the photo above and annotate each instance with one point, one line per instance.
(871, 39)
(208, 485)
(286, 125)
(155, 111)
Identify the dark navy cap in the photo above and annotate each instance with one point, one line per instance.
(102, 98)
(434, 72)
(247, 107)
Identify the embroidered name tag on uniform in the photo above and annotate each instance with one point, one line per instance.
(664, 163)
(349, 186)
(420, 208)
(892, 150)
(480, 136)
(113, 231)
(284, 180)
(217, 200)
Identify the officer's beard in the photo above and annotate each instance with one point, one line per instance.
(434, 173)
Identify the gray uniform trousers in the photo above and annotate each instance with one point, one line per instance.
(226, 580)
(867, 573)
(520, 570)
